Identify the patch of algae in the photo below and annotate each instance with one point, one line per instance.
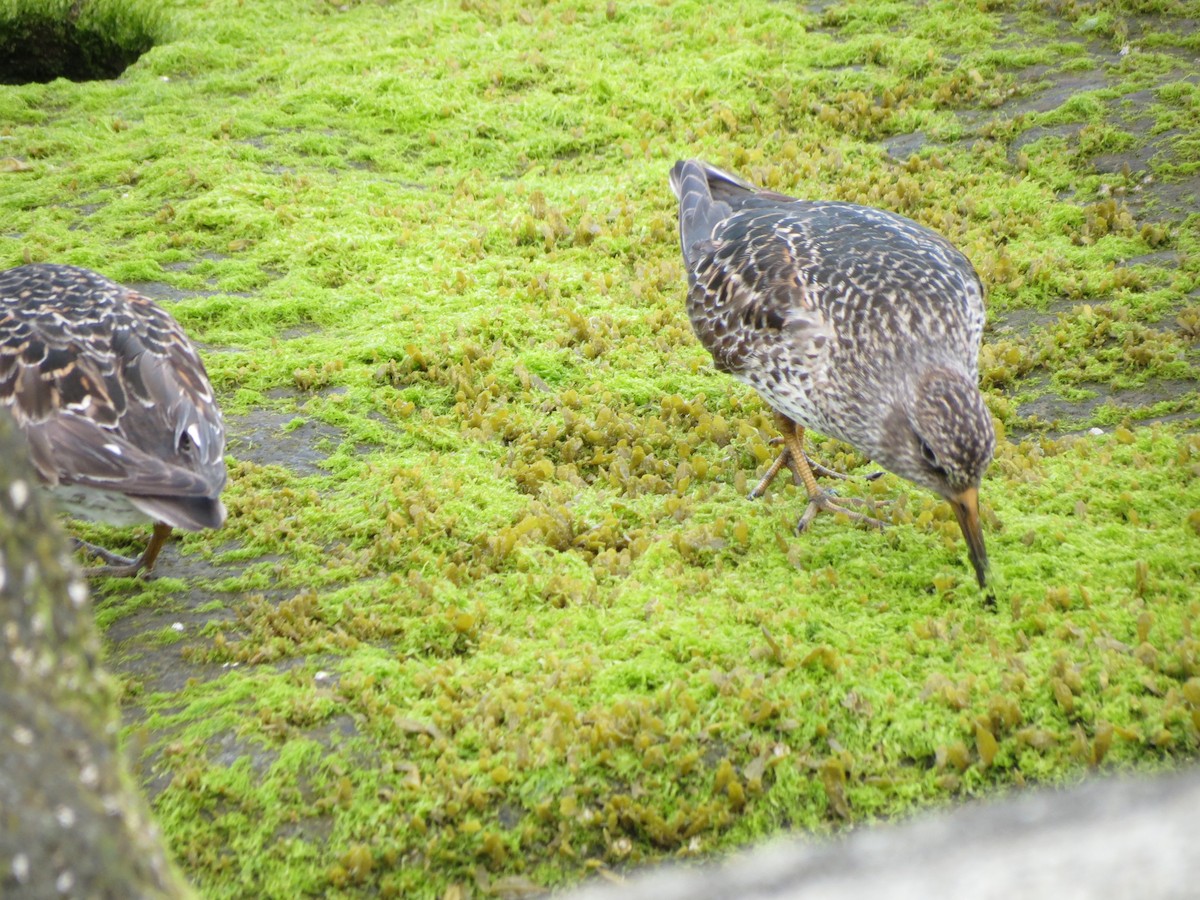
(522, 624)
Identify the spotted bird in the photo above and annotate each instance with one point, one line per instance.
(852, 321)
(115, 404)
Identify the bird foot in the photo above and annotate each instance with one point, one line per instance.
(784, 458)
(132, 570)
(113, 559)
(118, 566)
(830, 502)
(819, 469)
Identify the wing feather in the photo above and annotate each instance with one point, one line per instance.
(753, 309)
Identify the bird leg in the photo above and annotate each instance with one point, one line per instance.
(124, 566)
(802, 471)
(785, 458)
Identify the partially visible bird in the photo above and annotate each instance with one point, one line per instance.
(115, 404)
(852, 321)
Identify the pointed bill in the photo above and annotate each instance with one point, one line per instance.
(966, 510)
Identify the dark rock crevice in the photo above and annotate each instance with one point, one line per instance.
(80, 40)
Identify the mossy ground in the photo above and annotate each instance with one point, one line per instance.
(491, 610)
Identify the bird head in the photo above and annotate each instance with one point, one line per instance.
(941, 438)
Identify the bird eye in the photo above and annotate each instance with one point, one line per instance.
(928, 455)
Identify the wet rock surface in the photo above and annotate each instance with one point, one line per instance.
(73, 824)
(1105, 841)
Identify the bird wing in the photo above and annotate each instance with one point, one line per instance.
(751, 303)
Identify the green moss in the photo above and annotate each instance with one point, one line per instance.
(514, 618)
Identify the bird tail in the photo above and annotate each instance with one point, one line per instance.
(699, 211)
(726, 187)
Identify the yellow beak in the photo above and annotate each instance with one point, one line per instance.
(966, 510)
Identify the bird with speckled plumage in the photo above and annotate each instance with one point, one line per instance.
(115, 404)
(852, 321)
